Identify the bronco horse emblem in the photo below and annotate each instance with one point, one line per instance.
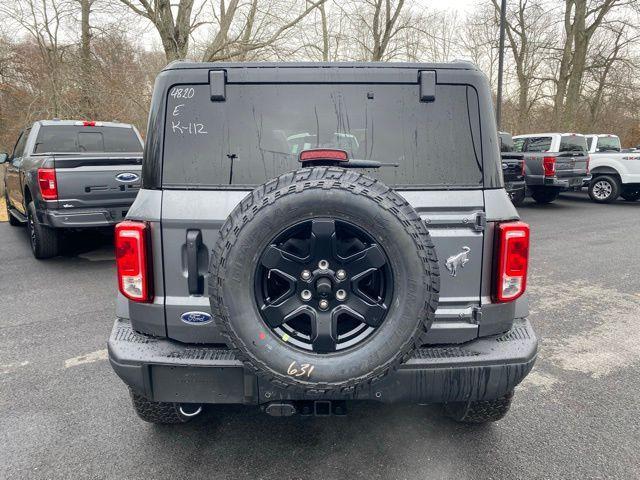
(458, 260)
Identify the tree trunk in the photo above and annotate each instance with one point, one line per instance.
(574, 86)
(86, 102)
(325, 33)
(565, 65)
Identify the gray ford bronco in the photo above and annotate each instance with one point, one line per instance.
(312, 234)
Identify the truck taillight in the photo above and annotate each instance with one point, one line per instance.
(512, 253)
(549, 165)
(132, 260)
(48, 184)
(522, 167)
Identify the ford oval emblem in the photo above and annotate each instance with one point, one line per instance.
(127, 177)
(195, 318)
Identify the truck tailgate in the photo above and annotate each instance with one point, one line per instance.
(571, 165)
(98, 180)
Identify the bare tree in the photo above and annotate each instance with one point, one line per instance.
(582, 19)
(244, 29)
(611, 66)
(529, 30)
(43, 21)
(85, 58)
(376, 24)
(174, 31)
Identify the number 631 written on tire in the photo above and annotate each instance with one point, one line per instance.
(302, 370)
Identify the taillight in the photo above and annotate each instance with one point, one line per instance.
(512, 252)
(323, 154)
(522, 166)
(88, 123)
(132, 255)
(549, 165)
(48, 184)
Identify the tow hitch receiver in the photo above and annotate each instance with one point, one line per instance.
(318, 408)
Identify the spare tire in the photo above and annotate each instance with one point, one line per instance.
(324, 279)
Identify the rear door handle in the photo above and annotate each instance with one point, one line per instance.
(195, 281)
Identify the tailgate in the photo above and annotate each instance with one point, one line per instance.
(571, 164)
(99, 180)
(455, 220)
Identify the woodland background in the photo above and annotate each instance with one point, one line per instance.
(571, 65)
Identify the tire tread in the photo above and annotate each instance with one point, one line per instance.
(164, 413)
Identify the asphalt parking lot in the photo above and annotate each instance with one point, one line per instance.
(65, 414)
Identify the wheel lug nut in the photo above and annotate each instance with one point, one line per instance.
(341, 295)
(305, 295)
(341, 274)
(323, 304)
(323, 265)
(306, 275)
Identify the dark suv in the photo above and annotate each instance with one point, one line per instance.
(310, 234)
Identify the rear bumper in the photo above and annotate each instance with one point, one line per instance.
(169, 371)
(84, 218)
(557, 182)
(514, 186)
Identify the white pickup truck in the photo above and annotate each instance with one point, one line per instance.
(615, 173)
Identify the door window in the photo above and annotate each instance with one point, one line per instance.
(18, 150)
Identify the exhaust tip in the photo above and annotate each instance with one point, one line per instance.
(190, 411)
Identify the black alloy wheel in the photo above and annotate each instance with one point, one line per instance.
(323, 285)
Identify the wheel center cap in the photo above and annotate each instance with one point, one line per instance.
(324, 286)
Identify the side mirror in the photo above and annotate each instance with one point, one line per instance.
(4, 157)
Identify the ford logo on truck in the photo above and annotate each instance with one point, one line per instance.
(127, 177)
(195, 318)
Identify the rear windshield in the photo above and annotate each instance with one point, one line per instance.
(608, 144)
(75, 139)
(258, 132)
(573, 143)
(539, 144)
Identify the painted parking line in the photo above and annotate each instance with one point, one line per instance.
(12, 367)
(3, 211)
(92, 357)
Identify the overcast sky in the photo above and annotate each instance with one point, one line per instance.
(460, 5)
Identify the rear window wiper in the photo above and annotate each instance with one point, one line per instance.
(338, 158)
(354, 163)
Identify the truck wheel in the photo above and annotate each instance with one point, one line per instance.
(517, 197)
(604, 189)
(545, 195)
(162, 412)
(324, 280)
(479, 411)
(13, 221)
(631, 195)
(44, 240)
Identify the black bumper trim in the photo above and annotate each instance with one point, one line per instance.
(84, 218)
(165, 370)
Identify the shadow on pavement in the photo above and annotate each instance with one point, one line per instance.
(371, 441)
